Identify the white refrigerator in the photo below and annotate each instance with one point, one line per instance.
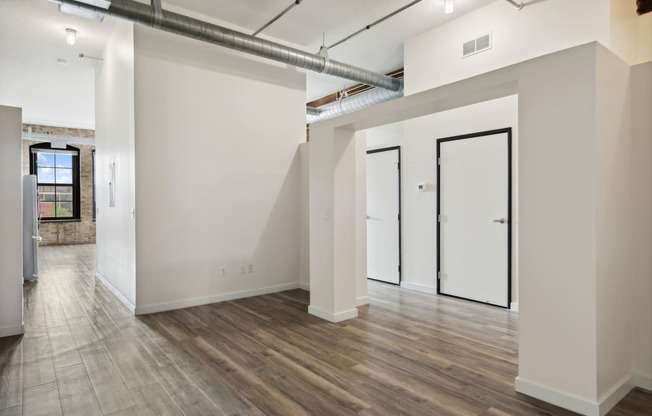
(31, 237)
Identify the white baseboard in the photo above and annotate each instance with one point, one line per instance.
(337, 317)
(513, 306)
(362, 300)
(642, 381)
(188, 303)
(579, 405)
(304, 286)
(10, 331)
(115, 292)
(616, 394)
(576, 404)
(419, 288)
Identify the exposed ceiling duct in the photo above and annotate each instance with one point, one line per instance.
(207, 32)
(350, 104)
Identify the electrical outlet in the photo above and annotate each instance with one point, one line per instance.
(222, 271)
(250, 268)
(243, 269)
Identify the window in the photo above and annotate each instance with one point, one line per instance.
(57, 176)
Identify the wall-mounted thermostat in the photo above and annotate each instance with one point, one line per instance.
(421, 187)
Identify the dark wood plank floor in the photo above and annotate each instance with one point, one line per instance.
(407, 354)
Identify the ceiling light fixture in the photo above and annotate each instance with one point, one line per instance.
(71, 36)
(449, 6)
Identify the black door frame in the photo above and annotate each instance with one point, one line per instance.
(507, 130)
(400, 272)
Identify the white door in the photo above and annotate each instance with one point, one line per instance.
(474, 214)
(383, 247)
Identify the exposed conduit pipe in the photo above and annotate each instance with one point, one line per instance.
(207, 32)
(278, 16)
(516, 4)
(369, 26)
(350, 104)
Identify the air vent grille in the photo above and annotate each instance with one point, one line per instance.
(477, 45)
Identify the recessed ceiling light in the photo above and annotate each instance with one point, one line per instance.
(71, 36)
(62, 61)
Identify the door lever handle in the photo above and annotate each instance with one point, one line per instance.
(500, 220)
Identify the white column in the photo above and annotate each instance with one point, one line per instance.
(332, 224)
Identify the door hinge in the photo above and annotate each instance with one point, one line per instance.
(438, 218)
(438, 275)
(398, 217)
(399, 268)
(439, 161)
(398, 165)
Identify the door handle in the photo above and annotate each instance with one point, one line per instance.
(500, 220)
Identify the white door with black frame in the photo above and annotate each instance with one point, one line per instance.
(474, 213)
(383, 215)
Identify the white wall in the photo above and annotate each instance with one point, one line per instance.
(624, 30)
(645, 38)
(114, 141)
(417, 138)
(641, 298)
(304, 218)
(11, 224)
(615, 192)
(217, 137)
(435, 57)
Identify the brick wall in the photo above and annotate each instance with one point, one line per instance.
(78, 232)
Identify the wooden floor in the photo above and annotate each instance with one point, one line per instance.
(407, 354)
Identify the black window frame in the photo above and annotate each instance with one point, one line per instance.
(76, 178)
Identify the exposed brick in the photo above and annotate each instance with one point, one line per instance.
(82, 232)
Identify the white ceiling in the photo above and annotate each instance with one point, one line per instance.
(32, 38)
(378, 49)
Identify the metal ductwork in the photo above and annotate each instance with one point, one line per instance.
(312, 111)
(207, 32)
(350, 104)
